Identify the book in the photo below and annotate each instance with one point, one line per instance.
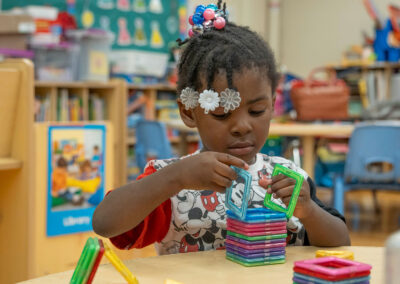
(42, 108)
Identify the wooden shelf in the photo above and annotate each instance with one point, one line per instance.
(113, 93)
(91, 85)
(78, 122)
(157, 87)
(9, 164)
(374, 66)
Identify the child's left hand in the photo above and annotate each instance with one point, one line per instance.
(282, 187)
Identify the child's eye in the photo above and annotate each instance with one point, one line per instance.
(220, 116)
(257, 112)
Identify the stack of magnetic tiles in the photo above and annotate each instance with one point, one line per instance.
(257, 239)
(331, 270)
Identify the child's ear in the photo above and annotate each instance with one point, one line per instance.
(186, 115)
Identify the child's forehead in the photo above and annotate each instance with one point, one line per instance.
(245, 80)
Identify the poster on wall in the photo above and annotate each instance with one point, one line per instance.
(76, 161)
(160, 22)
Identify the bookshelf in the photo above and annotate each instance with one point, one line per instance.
(370, 83)
(150, 92)
(86, 102)
(153, 102)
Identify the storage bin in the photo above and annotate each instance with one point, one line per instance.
(94, 52)
(58, 62)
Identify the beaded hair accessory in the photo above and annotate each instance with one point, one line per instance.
(204, 19)
(210, 100)
(207, 17)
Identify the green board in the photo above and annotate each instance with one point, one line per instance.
(147, 25)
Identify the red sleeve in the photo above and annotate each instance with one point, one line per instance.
(152, 229)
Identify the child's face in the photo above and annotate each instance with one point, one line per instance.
(87, 169)
(243, 132)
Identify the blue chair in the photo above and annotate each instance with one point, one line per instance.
(151, 142)
(373, 161)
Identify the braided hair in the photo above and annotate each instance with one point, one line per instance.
(231, 49)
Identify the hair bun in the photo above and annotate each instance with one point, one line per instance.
(208, 17)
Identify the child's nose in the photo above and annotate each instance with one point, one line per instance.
(241, 127)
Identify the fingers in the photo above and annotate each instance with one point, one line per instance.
(221, 181)
(232, 161)
(265, 183)
(286, 200)
(218, 188)
(226, 171)
(283, 193)
(281, 181)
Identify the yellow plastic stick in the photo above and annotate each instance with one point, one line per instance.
(338, 253)
(119, 265)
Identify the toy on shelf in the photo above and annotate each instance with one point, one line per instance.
(89, 261)
(331, 270)
(338, 253)
(387, 33)
(278, 169)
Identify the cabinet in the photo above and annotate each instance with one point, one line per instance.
(26, 250)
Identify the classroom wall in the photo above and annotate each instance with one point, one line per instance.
(311, 32)
(316, 32)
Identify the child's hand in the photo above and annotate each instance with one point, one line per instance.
(208, 170)
(282, 187)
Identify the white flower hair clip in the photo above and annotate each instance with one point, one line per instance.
(190, 98)
(230, 100)
(209, 100)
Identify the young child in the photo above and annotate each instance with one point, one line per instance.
(227, 79)
(59, 177)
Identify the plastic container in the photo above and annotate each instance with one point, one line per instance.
(95, 46)
(56, 62)
(392, 259)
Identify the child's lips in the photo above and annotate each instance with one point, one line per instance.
(240, 149)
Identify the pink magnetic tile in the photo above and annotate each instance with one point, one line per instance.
(333, 266)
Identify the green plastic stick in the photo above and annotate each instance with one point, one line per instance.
(86, 261)
(279, 169)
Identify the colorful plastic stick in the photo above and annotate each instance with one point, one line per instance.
(97, 262)
(119, 265)
(239, 211)
(85, 262)
(278, 169)
(338, 253)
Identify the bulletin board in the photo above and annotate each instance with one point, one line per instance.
(144, 25)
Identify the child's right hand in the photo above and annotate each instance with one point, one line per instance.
(208, 170)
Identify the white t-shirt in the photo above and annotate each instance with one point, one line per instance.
(198, 220)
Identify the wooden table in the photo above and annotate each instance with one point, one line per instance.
(306, 131)
(212, 267)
